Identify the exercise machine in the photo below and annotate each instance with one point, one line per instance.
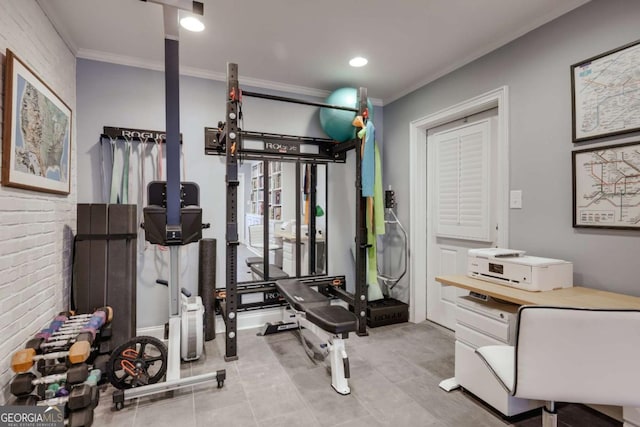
(388, 278)
(227, 140)
(173, 217)
(331, 323)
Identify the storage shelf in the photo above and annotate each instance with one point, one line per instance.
(275, 190)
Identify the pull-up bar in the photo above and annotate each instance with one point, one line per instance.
(297, 101)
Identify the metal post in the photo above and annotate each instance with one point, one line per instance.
(299, 193)
(232, 149)
(266, 176)
(174, 226)
(312, 220)
(360, 296)
(172, 108)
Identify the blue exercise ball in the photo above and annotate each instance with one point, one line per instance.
(337, 123)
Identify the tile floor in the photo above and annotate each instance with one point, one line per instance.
(395, 373)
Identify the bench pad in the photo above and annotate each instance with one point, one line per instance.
(332, 318)
(300, 296)
(275, 272)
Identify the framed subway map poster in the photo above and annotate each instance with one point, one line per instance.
(604, 92)
(606, 187)
(36, 139)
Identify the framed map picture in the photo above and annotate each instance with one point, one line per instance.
(606, 187)
(604, 92)
(36, 140)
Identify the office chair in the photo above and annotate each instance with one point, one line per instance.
(570, 355)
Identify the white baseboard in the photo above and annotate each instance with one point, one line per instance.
(154, 331)
(246, 320)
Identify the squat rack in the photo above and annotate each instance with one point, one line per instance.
(228, 142)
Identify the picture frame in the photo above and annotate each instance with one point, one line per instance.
(36, 138)
(602, 104)
(606, 187)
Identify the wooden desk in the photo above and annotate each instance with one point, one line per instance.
(576, 296)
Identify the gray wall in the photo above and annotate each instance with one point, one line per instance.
(536, 69)
(115, 95)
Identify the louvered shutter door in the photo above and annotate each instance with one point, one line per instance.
(462, 182)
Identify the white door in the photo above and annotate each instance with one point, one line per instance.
(461, 210)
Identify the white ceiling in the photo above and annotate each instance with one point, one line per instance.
(304, 45)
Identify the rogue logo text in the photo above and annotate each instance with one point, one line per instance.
(281, 147)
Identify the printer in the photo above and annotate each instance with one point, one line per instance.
(514, 268)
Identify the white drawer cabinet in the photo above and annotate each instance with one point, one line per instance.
(481, 323)
(289, 259)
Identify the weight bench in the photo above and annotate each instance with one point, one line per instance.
(275, 272)
(331, 323)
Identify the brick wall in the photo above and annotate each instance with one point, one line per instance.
(36, 229)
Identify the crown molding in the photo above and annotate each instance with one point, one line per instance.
(96, 55)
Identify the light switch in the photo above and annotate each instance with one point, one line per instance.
(515, 199)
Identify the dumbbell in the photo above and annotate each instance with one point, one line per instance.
(84, 334)
(56, 328)
(55, 390)
(80, 397)
(44, 340)
(24, 359)
(41, 343)
(53, 367)
(65, 322)
(67, 316)
(23, 384)
(60, 324)
(58, 390)
(102, 347)
(104, 330)
(99, 356)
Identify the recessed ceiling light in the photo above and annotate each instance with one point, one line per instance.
(192, 23)
(358, 61)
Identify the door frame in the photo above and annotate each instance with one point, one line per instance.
(418, 197)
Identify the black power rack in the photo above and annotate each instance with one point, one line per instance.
(227, 140)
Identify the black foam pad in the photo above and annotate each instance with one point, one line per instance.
(207, 285)
(300, 296)
(274, 271)
(332, 318)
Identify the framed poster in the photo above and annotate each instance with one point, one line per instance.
(36, 140)
(606, 187)
(604, 92)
